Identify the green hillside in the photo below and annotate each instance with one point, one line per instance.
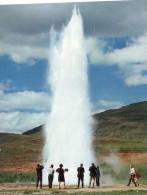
(19, 151)
(123, 129)
(120, 131)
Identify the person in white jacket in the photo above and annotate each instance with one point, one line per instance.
(50, 176)
(132, 176)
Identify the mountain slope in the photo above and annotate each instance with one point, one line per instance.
(121, 130)
(127, 122)
(19, 152)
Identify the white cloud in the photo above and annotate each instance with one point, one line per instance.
(24, 28)
(26, 100)
(135, 75)
(135, 53)
(23, 48)
(95, 49)
(18, 122)
(131, 60)
(22, 111)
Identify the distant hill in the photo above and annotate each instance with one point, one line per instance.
(121, 130)
(33, 131)
(128, 122)
(20, 152)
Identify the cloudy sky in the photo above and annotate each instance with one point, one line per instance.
(116, 43)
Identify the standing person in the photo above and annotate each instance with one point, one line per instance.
(92, 170)
(39, 169)
(61, 177)
(98, 174)
(132, 177)
(80, 175)
(50, 176)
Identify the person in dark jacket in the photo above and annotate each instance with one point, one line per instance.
(98, 174)
(80, 175)
(61, 177)
(92, 170)
(39, 169)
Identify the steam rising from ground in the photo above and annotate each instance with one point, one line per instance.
(112, 169)
(67, 129)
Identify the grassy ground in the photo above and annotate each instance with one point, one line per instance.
(120, 145)
(17, 177)
(45, 192)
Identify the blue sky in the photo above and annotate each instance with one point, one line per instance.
(116, 52)
(107, 82)
(24, 76)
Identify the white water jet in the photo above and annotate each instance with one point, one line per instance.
(68, 127)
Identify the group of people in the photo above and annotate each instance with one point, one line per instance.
(94, 173)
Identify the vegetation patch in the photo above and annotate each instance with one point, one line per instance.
(17, 177)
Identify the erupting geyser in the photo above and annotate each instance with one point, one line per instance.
(67, 129)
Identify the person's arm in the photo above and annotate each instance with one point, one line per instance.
(42, 167)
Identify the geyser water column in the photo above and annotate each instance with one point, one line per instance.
(67, 129)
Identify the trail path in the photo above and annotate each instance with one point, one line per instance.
(20, 189)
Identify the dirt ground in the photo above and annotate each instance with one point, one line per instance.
(19, 189)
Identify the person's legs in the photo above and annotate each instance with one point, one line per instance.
(78, 182)
(93, 181)
(37, 182)
(82, 180)
(50, 180)
(59, 184)
(97, 181)
(90, 181)
(40, 182)
(133, 180)
(130, 179)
